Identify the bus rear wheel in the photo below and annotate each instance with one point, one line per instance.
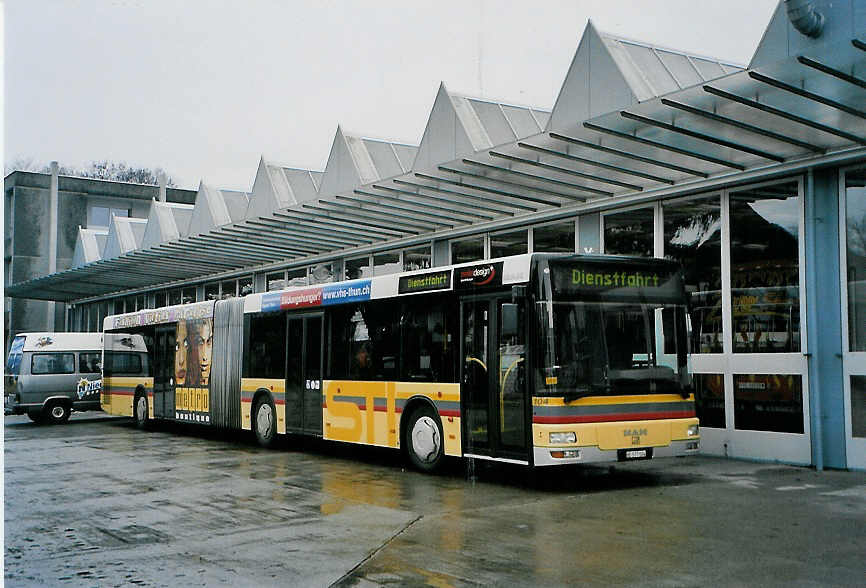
(140, 412)
(422, 439)
(265, 421)
(57, 413)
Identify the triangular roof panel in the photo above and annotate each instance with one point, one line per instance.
(89, 245)
(166, 221)
(124, 235)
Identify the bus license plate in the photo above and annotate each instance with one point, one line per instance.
(630, 454)
(635, 454)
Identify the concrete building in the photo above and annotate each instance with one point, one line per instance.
(753, 176)
(55, 222)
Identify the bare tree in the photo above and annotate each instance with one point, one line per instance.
(117, 171)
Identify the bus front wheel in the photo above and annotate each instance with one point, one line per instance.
(265, 421)
(422, 439)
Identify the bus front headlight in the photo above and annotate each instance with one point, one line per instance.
(563, 438)
(693, 431)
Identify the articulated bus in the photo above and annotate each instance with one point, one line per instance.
(536, 359)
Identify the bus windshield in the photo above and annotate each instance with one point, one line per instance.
(613, 328)
(613, 348)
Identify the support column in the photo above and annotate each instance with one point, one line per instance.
(53, 214)
(824, 320)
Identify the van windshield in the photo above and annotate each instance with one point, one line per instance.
(13, 362)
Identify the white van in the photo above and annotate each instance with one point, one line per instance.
(48, 375)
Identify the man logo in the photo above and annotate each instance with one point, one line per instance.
(634, 432)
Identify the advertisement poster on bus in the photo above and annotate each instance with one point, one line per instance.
(192, 369)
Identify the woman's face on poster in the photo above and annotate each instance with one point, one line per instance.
(204, 346)
(180, 353)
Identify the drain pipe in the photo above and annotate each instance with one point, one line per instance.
(805, 18)
(812, 322)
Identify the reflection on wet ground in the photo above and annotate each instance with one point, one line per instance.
(98, 502)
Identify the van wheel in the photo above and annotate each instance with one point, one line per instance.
(422, 439)
(36, 416)
(139, 411)
(57, 413)
(265, 422)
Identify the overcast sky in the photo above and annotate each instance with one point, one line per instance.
(203, 88)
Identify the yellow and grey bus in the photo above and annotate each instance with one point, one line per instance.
(536, 359)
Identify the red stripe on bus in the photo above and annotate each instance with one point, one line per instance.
(604, 418)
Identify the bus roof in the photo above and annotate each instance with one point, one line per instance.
(61, 341)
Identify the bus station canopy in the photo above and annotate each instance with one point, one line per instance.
(631, 123)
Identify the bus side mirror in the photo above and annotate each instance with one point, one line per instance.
(509, 320)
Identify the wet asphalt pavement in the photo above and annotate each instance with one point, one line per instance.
(97, 502)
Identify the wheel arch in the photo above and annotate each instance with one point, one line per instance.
(413, 404)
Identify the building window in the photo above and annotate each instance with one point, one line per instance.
(710, 399)
(175, 297)
(417, 258)
(321, 273)
(630, 233)
(512, 243)
(212, 291)
(245, 286)
(297, 277)
(228, 289)
(693, 237)
(100, 216)
(387, 263)
(276, 281)
(359, 267)
(765, 269)
(467, 250)
(188, 295)
(855, 224)
(160, 299)
(768, 402)
(554, 238)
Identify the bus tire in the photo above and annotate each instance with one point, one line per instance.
(422, 439)
(140, 411)
(57, 412)
(265, 421)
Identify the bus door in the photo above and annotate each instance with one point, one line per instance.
(304, 374)
(493, 378)
(163, 372)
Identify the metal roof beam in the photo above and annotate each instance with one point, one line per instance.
(364, 220)
(520, 174)
(326, 221)
(741, 125)
(783, 114)
(859, 44)
(664, 146)
(277, 239)
(701, 136)
(480, 188)
(571, 172)
(297, 230)
(627, 155)
(436, 218)
(254, 241)
(156, 258)
(806, 94)
(461, 206)
(518, 205)
(615, 168)
(441, 220)
(831, 71)
(220, 246)
(210, 258)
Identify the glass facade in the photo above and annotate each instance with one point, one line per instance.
(555, 238)
(467, 250)
(276, 281)
(512, 243)
(630, 233)
(765, 269)
(417, 258)
(768, 402)
(855, 243)
(387, 263)
(858, 406)
(710, 399)
(693, 237)
(358, 268)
